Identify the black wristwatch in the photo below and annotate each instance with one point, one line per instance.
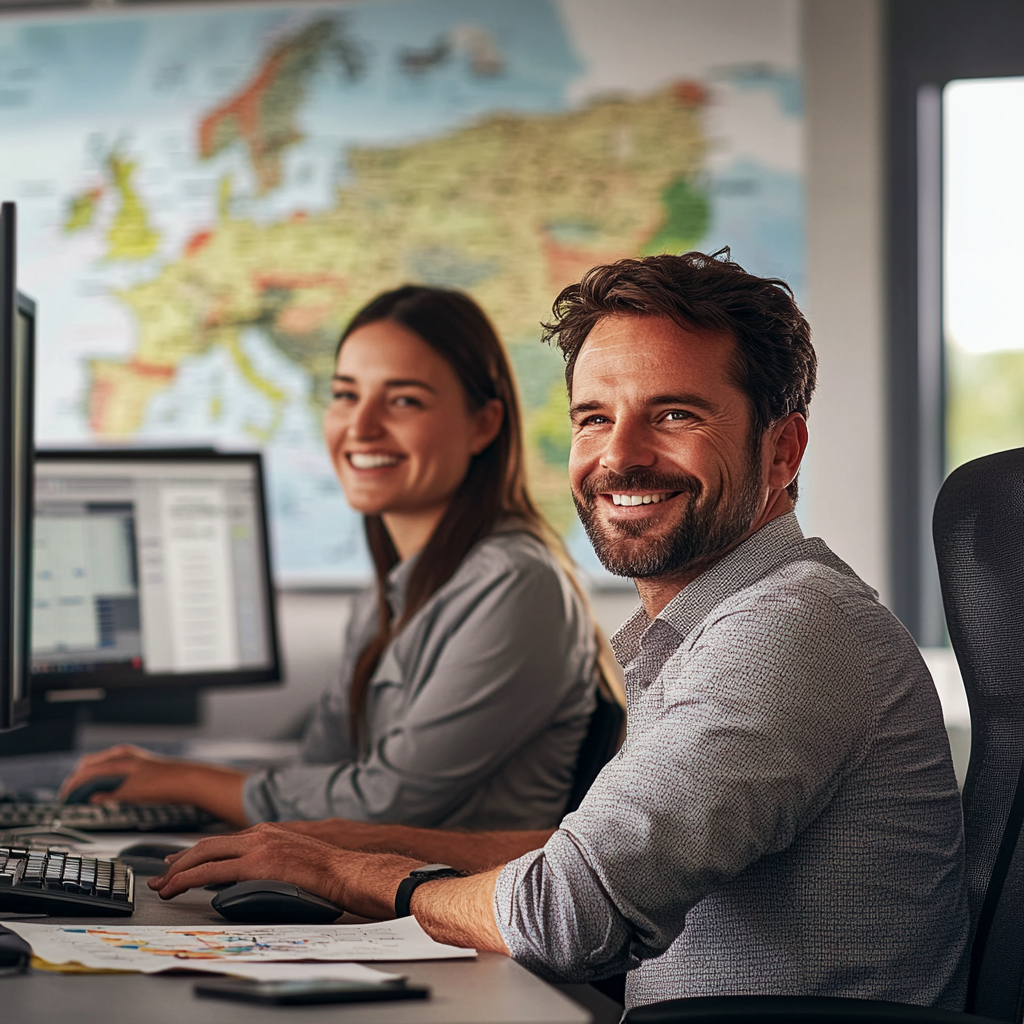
(416, 878)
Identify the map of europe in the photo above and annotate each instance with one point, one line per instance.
(206, 197)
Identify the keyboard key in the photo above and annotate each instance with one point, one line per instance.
(54, 869)
(35, 868)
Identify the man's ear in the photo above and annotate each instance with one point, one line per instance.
(786, 443)
(487, 422)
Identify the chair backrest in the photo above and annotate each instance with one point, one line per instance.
(978, 530)
(604, 735)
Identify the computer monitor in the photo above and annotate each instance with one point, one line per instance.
(17, 340)
(151, 570)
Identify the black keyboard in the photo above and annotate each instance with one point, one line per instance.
(106, 817)
(42, 881)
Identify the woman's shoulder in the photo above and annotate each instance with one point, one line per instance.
(511, 551)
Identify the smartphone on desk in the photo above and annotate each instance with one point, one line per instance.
(305, 993)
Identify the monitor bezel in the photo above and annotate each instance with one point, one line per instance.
(51, 682)
(16, 374)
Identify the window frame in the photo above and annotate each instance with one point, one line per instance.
(928, 43)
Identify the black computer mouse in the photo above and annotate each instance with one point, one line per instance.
(14, 950)
(101, 784)
(148, 858)
(264, 901)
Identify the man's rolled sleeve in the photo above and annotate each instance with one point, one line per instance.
(555, 917)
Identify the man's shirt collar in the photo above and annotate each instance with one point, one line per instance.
(757, 556)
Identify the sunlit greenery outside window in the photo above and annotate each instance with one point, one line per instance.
(983, 136)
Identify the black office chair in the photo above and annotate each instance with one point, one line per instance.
(604, 735)
(978, 530)
(979, 542)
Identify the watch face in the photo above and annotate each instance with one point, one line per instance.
(431, 869)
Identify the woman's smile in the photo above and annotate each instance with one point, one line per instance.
(374, 460)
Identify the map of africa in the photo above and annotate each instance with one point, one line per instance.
(206, 197)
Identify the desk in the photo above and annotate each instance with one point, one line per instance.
(490, 990)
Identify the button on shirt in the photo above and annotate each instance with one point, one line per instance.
(783, 817)
(474, 714)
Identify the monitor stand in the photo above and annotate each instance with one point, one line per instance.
(53, 724)
(164, 705)
(51, 728)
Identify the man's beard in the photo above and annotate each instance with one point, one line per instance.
(708, 525)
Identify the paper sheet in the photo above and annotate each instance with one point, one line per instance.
(151, 949)
(308, 970)
(299, 972)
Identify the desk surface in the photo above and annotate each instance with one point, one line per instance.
(489, 990)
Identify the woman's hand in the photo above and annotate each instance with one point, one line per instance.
(363, 883)
(149, 778)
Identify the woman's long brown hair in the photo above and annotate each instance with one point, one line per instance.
(494, 486)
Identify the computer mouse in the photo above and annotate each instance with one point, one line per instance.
(101, 784)
(264, 901)
(14, 950)
(148, 858)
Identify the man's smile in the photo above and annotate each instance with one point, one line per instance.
(631, 498)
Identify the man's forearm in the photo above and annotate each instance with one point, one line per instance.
(458, 911)
(468, 851)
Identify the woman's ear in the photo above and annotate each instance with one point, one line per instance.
(487, 422)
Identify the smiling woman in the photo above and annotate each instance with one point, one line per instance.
(470, 668)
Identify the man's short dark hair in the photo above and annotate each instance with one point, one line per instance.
(775, 367)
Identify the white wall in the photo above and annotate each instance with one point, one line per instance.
(847, 485)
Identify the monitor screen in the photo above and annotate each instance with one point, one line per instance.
(151, 568)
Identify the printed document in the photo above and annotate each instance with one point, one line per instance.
(152, 948)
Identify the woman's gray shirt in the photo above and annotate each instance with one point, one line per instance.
(475, 713)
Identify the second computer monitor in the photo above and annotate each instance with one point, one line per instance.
(151, 568)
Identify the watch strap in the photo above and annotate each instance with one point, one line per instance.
(415, 878)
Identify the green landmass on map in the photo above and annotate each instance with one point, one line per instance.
(130, 235)
(81, 210)
(510, 208)
(688, 214)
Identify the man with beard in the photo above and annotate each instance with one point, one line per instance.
(783, 816)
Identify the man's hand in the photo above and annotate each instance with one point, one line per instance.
(266, 851)
(457, 911)
(160, 780)
(362, 883)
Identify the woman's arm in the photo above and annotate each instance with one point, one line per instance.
(468, 851)
(149, 779)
